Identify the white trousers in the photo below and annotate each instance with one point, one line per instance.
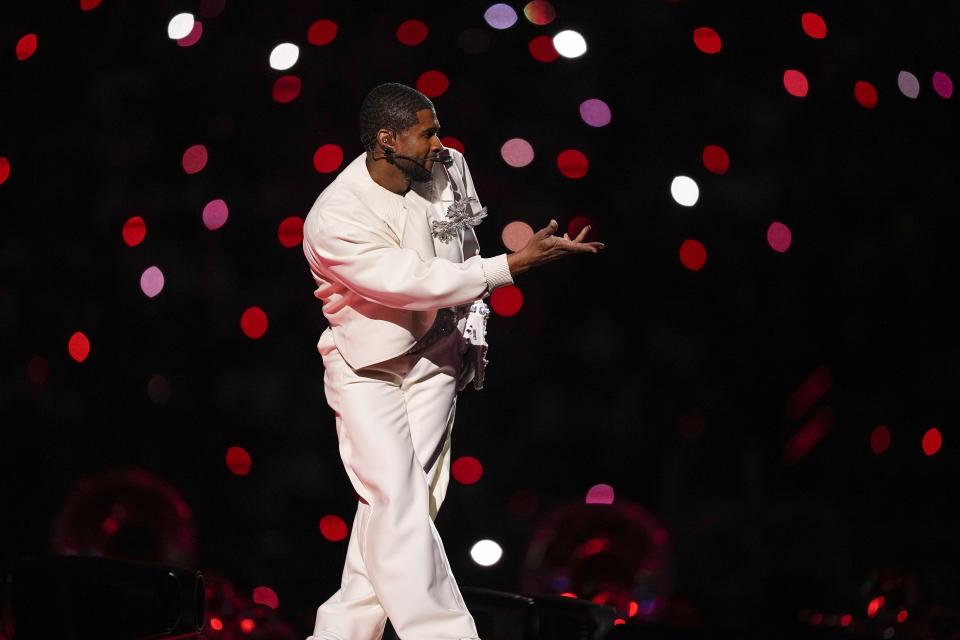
(394, 422)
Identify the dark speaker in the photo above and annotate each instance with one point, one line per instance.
(75, 598)
(501, 616)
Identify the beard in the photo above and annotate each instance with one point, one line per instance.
(414, 171)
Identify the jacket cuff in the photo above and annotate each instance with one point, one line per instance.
(496, 271)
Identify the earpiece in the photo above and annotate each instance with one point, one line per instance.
(389, 150)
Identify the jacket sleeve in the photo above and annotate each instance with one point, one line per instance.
(368, 262)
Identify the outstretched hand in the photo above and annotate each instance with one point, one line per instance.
(544, 247)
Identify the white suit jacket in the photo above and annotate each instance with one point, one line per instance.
(379, 271)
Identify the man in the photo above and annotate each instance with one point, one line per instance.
(390, 243)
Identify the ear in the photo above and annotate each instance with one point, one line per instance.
(386, 138)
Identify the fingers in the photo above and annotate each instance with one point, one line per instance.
(547, 230)
(554, 247)
(583, 247)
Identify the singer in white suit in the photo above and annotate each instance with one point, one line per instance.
(391, 246)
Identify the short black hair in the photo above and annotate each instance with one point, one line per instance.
(389, 106)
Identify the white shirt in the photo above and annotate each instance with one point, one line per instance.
(379, 271)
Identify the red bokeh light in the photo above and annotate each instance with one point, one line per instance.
(619, 621)
(880, 439)
(633, 609)
(810, 392)
(322, 32)
(215, 214)
(875, 605)
(266, 596)
(506, 301)
(932, 441)
(79, 346)
(247, 625)
(542, 49)
(238, 461)
(110, 525)
(466, 470)
(328, 158)
(412, 32)
(193, 37)
(37, 370)
(216, 624)
(453, 143)
(254, 322)
(89, 5)
(4, 169)
(134, 231)
(707, 40)
(942, 85)
(808, 436)
(286, 89)
(795, 83)
(194, 158)
(865, 93)
(577, 224)
(693, 255)
(572, 163)
(779, 237)
(26, 46)
(813, 25)
(902, 616)
(540, 12)
(433, 83)
(333, 528)
(290, 232)
(600, 494)
(715, 159)
(845, 620)
(592, 547)
(568, 594)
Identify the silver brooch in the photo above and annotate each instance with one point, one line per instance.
(459, 215)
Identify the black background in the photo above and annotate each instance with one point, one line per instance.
(589, 382)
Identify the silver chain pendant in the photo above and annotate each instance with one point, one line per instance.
(459, 215)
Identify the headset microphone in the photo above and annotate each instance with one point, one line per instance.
(391, 154)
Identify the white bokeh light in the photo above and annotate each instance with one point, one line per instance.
(569, 44)
(500, 16)
(284, 56)
(908, 84)
(685, 191)
(180, 26)
(486, 553)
